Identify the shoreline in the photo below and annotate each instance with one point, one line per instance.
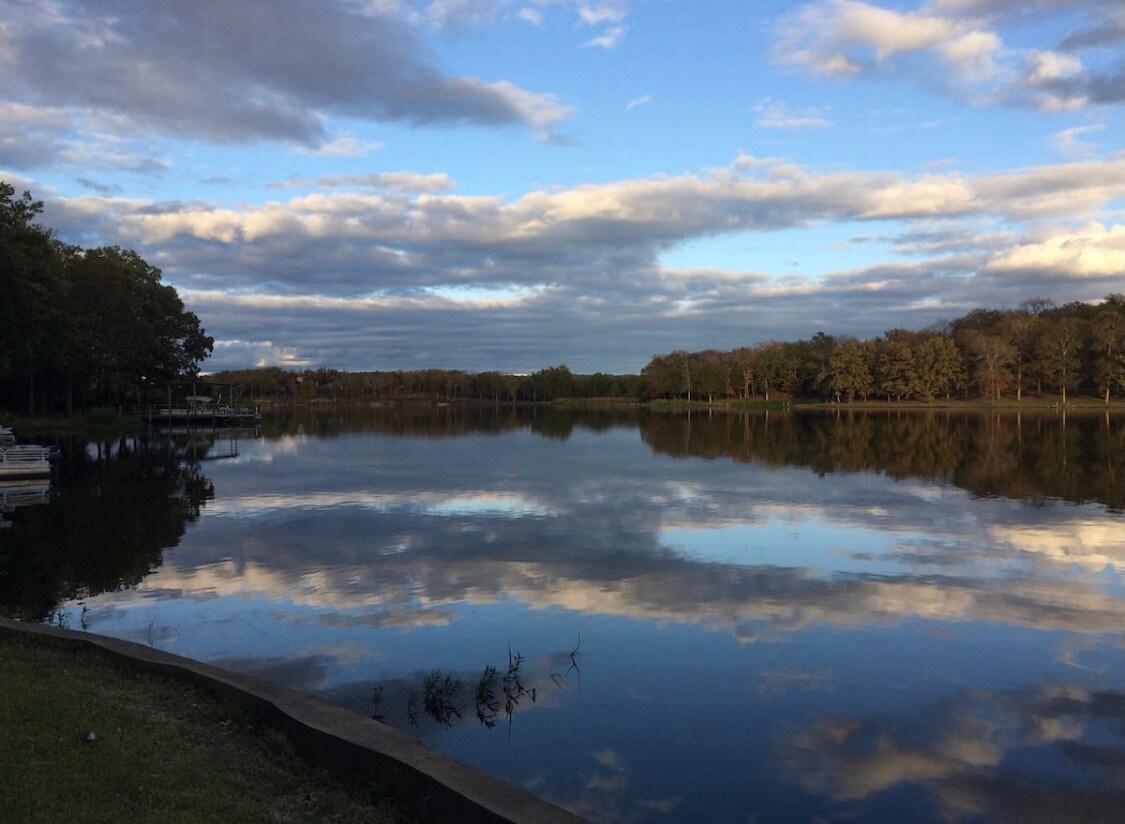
(428, 785)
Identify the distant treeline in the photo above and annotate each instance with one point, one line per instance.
(83, 327)
(441, 385)
(987, 353)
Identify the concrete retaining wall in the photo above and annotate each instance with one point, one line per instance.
(430, 786)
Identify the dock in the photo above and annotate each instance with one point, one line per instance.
(202, 411)
(203, 415)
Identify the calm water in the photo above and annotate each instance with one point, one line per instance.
(722, 618)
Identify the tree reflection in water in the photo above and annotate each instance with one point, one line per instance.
(119, 505)
(1076, 458)
(1026, 455)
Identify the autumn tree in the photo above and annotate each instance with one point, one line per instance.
(553, 383)
(1019, 329)
(744, 362)
(937, 365)
(711, 377)
(896, 368)
(993, 356)
(1108, 338)
(849, 370)
(1059, 349)
(777, 368)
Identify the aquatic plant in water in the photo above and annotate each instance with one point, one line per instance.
(441, 697)
(487, 704)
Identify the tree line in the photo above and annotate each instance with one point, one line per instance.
(84, 327)
(987, 353)
(434, 385)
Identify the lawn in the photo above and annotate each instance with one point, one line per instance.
(87, 738)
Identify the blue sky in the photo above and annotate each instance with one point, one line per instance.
(484, 184)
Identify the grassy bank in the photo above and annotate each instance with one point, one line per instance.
(96, 423)
(87, 738)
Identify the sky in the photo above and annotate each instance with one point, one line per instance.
(514, 184)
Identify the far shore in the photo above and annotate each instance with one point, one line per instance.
(104, 422)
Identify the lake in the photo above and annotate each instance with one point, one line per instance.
(704, 618)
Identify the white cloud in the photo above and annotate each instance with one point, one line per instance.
(850, 37)
(773, 114)
(1090, 251)
(540, 110)
(593, 15)
(530, 15)
(1068, 143)
(1045, 66)
(645, 213)
(643, 100)
(607, 39)
(822, 36)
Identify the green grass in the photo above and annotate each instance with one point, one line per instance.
(100, 422)
(163, 749)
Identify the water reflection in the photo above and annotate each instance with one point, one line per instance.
(1006, 756)
(16, 494)
(1030, 457)
(841, 616)
(119, 504)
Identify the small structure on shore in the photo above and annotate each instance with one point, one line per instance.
(202, 410)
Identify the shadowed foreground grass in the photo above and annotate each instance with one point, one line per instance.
(162, 749)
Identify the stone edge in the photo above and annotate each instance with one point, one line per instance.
(430, 786)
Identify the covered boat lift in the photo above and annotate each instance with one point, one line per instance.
(193, 408)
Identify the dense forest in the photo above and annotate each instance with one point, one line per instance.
(83, 327)
(987, 353)
(441, 385)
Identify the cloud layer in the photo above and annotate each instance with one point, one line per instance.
(960, 43)
(376, 260)
(245, 72)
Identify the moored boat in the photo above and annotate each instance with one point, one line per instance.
(22, 460)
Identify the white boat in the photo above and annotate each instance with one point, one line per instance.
(22, 460)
